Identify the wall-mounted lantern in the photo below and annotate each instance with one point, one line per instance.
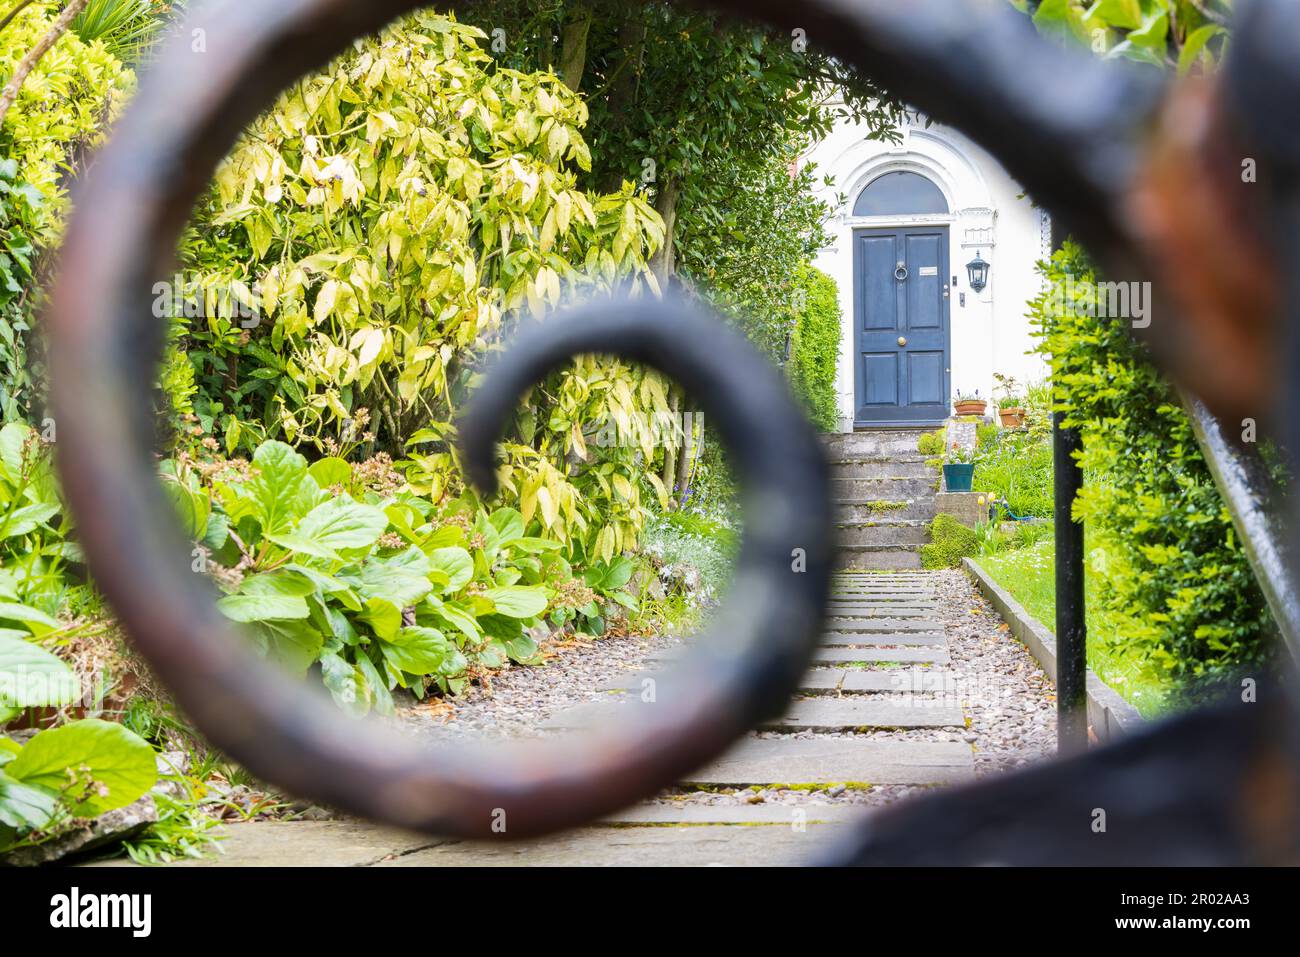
(978, 270)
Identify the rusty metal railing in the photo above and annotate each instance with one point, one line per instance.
(1146, 173)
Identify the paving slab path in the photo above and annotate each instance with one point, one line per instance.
(894, 706)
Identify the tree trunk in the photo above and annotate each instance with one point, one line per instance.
(669, 474)
(663, 263)
(622, 93)
(688, 450)
(573, 46)
(28, 63)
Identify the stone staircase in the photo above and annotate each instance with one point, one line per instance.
(884, 497)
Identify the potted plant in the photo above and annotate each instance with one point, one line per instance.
(1011, 405)
(969, 403)
(959, 469)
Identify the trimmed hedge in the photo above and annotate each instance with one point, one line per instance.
(1159, 536)
(815, 347)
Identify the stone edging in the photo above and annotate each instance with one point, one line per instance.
(1110, 716)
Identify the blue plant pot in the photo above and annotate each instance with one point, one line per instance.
(958, 477)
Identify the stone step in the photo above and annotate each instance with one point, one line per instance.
(884, 626)
(864, 491)
(816, 680)
(834, 714)
(857, 639)
(830, 655)
(882, 610)
(916, 510)
(898, 680)
(876, 442)
(882, 467)
(823, 713)
(884, 532)
(879, 557)
(706, 845)
(697, 814)
(825, 761)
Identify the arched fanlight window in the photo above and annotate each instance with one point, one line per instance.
(900, 194)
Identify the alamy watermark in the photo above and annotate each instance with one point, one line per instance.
(1102, 300)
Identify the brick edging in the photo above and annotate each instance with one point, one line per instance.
(1110, 716)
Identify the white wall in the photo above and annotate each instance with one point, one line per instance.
(987, 215)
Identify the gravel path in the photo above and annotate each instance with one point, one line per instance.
(1007, 699)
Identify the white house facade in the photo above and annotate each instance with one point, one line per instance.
(909, 218)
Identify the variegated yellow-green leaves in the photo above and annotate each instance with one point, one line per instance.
(385, 223)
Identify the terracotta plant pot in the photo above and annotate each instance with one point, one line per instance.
(972, 407)
(1012, 418)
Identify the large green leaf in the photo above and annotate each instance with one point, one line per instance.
(250, 608)
(401, 579)
(518, 601)
(12, 438)
(36, 620)
(23, 807)
(456, 564)
(294, 645)
(31, 677)
(25, 520)
(330, 472)
(383, 616)
(347, 684)
(282, 490)
(418, 651)
(1122, 14)
(508, 523)
(337, 523)
(120, 762)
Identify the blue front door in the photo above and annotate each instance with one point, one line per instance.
(901, 332)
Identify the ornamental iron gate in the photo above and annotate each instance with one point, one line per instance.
(1145, 170)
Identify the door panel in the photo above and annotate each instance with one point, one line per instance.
(925, 379)
(924, 284)
(881, 298)
(880, 377)
(901, 325)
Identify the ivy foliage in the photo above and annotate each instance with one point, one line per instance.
(815, 347)
(1160, 536)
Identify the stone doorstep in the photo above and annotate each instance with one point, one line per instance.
(828, 761)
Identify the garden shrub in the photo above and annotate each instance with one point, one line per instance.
(815, 347)
(61, 112)
(1159, 533)
(387, 222)
(950, 542)
(342, 567)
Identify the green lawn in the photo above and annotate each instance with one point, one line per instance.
(1028, 574)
